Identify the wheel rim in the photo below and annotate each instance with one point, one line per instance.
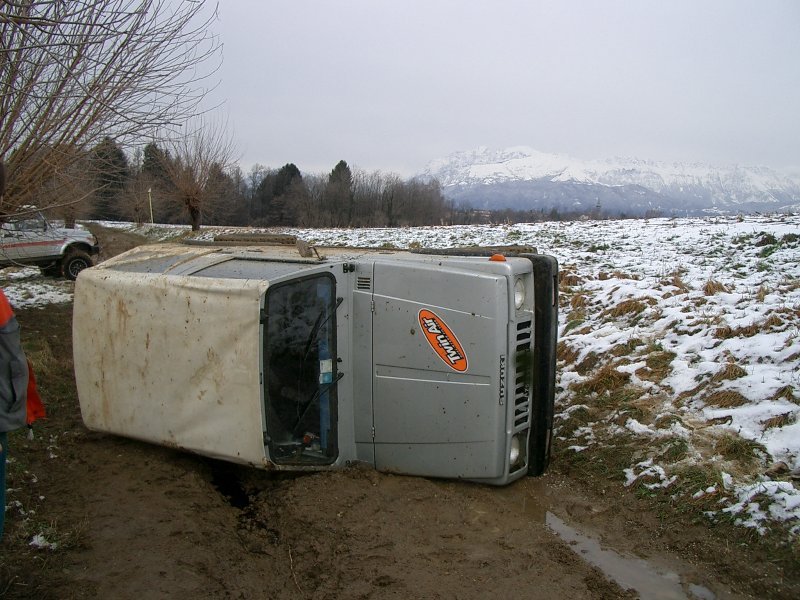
(76, 266)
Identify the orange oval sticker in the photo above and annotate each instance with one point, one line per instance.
(443, 341)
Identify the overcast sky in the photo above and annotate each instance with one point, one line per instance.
(393, 84)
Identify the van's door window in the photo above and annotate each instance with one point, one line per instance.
(300, 371)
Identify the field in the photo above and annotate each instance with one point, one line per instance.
(674, 473)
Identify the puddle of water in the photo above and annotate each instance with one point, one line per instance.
(649, 581)
(628, 572)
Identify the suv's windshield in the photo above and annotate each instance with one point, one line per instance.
(28, 222)
(300, 368)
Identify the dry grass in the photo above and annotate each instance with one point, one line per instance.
(659, 366)
(726, 399)
(730, 371)
(579, 301)
(790, 313)
(575, 318)
(712, 286)
(665, 421)
(606, 379)
(626, 307)
(660, 361)
(779, 421)
(627, 348)
(566, 353)
(634, 404)
(42, 358)
(735, 448)
(588, 363)
(786, 393)
(575, 419)
(695, 392)
(773, 322)
(568, 278)
(678, 282)
(726, 332)
(623, 275)
(761, 293)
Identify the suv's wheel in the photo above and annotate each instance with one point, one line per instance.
(75, 262)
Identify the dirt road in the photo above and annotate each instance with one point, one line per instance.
(96, 516)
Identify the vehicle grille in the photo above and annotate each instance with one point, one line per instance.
(364, 283)
(522, 374)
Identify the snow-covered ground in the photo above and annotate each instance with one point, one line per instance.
(679, 342)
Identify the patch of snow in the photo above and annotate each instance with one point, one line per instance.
(40, 542)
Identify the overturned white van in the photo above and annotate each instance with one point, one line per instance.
(425, 364)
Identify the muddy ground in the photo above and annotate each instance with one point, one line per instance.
(131, 520)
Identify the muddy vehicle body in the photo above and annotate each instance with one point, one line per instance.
(30, 239)
(424, 364)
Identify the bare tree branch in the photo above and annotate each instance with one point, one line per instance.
(196, 166)
(75, 71)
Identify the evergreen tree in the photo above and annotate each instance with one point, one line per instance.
(155, 161)
(284, 178)
(339, 195)
(111, 172)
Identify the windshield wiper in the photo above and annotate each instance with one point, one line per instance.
(318, 327)
(307, 406)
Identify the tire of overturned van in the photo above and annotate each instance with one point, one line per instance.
(75, 262)
(545, 275)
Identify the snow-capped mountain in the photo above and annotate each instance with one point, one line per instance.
(523, 178)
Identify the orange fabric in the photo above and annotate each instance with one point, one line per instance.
(35, 405)
(5, 309)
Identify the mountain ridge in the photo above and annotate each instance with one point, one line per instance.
(522, 178)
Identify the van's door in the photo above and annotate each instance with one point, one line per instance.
(439, 355)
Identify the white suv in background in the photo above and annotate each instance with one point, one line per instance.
(30, 239)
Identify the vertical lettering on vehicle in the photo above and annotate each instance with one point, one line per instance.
(442, 340)
(502, 379)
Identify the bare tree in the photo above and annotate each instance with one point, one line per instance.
(309, 211)
(195, 167)
(75, 71)
(136, 201)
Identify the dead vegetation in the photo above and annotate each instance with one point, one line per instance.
(658, 365)
(786, 393)
(726, 399)
(566, 353)
(675, 280)
(606, 379)
(730, 371)
(712, 287)
(626, 307)
(781, 420)
(735, 448)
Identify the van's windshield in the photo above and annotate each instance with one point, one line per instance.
(300, 371)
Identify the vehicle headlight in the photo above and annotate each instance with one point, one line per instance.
(514, 453)
(519, 293)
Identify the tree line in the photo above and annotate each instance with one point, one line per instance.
(197, 185)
